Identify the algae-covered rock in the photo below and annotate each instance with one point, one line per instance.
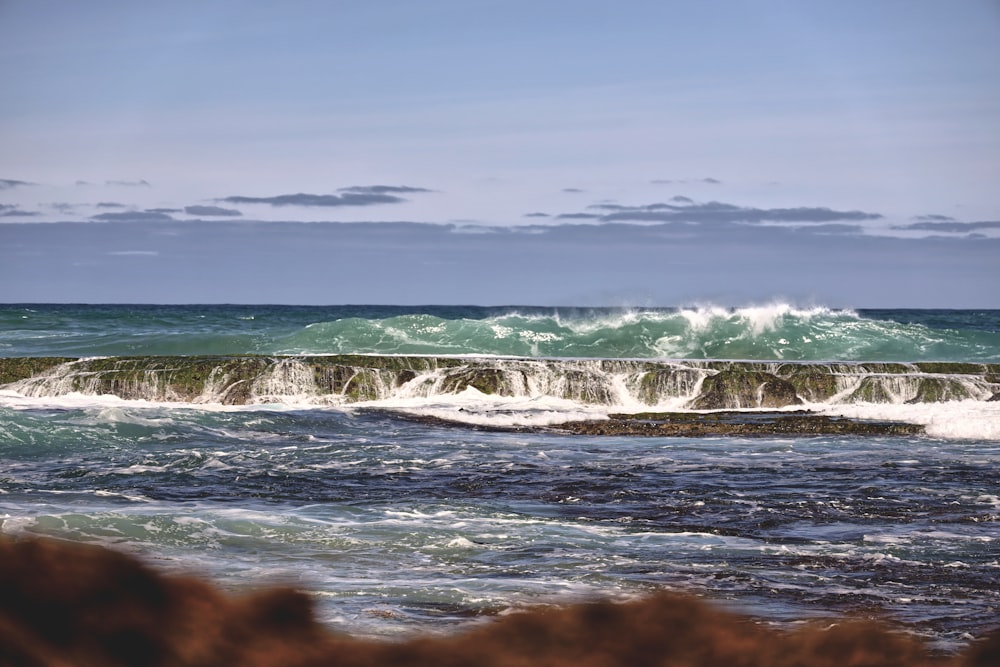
(885, 368)
(658, 384)
(871, 389)
(814, 387)
(13, 369)
(734, 389)
(939, 390)
(718, 384)
(331, 379)
(919, 388)
(488, 380)
(949, 367)
(226, 380)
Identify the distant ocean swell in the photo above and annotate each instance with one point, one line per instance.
(778, 332)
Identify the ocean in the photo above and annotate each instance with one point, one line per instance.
(408, 465)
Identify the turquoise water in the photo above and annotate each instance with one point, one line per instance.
(776, 332)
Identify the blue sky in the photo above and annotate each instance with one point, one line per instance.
(587, 153)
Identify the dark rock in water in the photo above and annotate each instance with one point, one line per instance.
(735, 389)
(691, 424)
(694, 424)
(995, 397)
(66, 604)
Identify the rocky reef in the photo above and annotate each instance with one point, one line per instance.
(344, 379)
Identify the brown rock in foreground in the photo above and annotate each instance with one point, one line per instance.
(66, 604)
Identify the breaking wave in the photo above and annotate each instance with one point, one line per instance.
(775, 332)
(778, 332)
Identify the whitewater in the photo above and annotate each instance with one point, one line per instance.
(406, 463)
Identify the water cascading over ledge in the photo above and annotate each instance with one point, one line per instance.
(345, 379)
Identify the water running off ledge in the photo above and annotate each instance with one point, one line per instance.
(630, 385)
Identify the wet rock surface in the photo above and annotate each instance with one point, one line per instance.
(693, 384)
(693, 424)
(689, 424)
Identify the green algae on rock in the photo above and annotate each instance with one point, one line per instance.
(13, 369)
(745, 389)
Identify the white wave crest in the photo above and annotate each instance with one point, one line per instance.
(758, 319)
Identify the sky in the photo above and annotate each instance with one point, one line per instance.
(638, 153)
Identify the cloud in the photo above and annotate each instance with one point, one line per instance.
(954, 227)
(303, 199)
(142, 183)
(573, 190)
(355, 195)
(685, 181)
(83, 183)
(8, 183)
(63, 207)
(164, 210)
(134, 253)
(681, 199)
(684, 210)
(934, 218)
(110, 204)
(831, 229)
(382, 189)
(578, 216)
(133, 216)
(212, 211)
(12, 211)
(537, 214)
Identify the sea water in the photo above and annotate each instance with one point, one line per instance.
(398, 524)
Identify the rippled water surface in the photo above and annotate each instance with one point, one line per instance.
(399, 525)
